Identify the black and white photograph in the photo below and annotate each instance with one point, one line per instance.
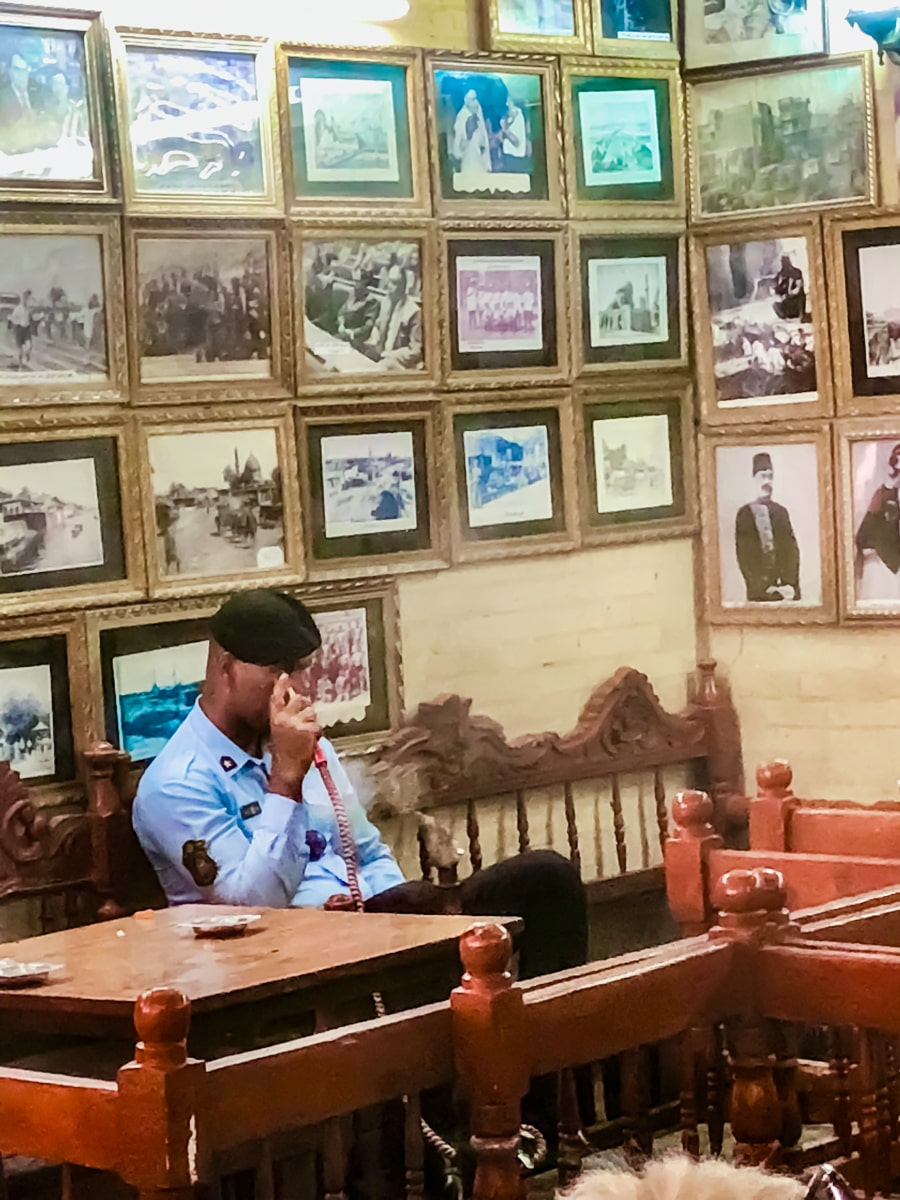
(880, 303)
(499, 303)
(363, 306)
(349, 131)
(155, 690)
(620, 137)
(636, 20)
(875, 484)
(26, 720)
(339, 678)
(507, 475)
(203, 308)
(368, 483)
(553, 18)
(722, 32)
(218, 502)
(628, 301)
(49, 517)
(632, 463)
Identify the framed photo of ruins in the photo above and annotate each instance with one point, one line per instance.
(760, 321)
(767, 505)
(726, 34)
(636, 28)
(548, 26)
(868, 463)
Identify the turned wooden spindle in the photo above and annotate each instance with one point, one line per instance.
(109, 824)
(712, 702)
(687, 852)
(756, 1110)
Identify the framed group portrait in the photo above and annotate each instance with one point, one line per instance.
(760, 321)
(494, 122)
(768, 537)
(868, 457)
(555, 26)
(636, 28)
(728, 32)
(197, 122)
(353, 131)
(366, 307)
(629, 296)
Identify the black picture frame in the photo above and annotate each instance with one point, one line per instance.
(50, 650)
(852, 241)
(378, 715)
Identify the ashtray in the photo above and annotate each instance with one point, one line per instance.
(223, 927)
(15, 974)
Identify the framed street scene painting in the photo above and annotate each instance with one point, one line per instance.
(629, 296)
(726, 32)
(211, 312)
(513, 466)
(368, 299)
(868, 453)
(196, 124)
(635, 28)
(552, 26)
(760, 322)
(37, 662)
(782, 138)
(353, 131)
(623, 138)
(52, 135)
(494, 127)
(767, 511)
(505, 307)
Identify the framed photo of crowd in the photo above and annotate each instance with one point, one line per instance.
(868, 456)
(562, 26)
(767, 504)
(636, 28)
(760, 321)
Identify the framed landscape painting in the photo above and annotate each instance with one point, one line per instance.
(635, 28)
(727, 32)
(558, 26)
(38, 663)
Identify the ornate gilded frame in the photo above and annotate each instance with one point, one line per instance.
(578, 42)
(644, 47)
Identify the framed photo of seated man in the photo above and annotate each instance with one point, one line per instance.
(868, 454)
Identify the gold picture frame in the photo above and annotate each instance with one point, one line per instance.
(562, 42)
(867, 524)
(781, 361)
(214, 192)
(332, 360)
(171, 373)
(649, 44)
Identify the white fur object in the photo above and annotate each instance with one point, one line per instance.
(678, 1177)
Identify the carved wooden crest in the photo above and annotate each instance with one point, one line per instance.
(38, 846)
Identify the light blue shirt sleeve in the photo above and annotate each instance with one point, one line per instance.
(378, 869)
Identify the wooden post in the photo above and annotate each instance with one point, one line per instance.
(771, 807)
(711, 700)
(109, 824)
(489, 1051)
(686, 858)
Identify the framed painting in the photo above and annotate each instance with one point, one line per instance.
(777, 138)
(728, 32)
(211, 311)
(636, 28)
(635, 462)
(552, 26)
(353, 131)
(760, 322)
(494, 126)
(371, 499)
(623, 136)
(512, 459)
(629, 296)
(369, 302)
(868, 456)
(505, 304)
(220, 507)
(767, 504)
(197, 121)
(53, 71)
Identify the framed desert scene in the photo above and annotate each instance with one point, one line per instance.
(635, 462)
(512, 463)
(211, 311)
(368, 300)
(760, 322)
(629, 296)
(868, 456)
(494, 124)
(370, 496)
(353, 131)
(52, 137)
(623, 137)
(197, 120)
(768, 528)
(727, 32)
(220, 504)
(558, 26)
(748, 158)
(504, 304)
(635, 28)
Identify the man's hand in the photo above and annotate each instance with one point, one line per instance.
(340, 902)
(294, 731)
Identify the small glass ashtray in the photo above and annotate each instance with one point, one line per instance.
(15, 974)
(224, 926)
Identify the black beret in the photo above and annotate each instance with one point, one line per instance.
(266, 627)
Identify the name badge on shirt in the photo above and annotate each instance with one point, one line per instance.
(251, 810)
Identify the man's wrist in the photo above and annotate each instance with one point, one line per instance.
(281, 785)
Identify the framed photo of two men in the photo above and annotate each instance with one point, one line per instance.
(767, 505)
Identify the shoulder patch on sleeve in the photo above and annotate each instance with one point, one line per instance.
(201, 867)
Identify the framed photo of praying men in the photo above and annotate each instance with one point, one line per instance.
(353, 132)
(623, 138)
(494, 125)
(760, 322)
(767, 505)
(636, 28)
(868, 457)
(371, 489)
(368, 299)
(211, 311)
(512, 461)
(629, 296)
(728, 32)
(197, 122)
(504, 306)
(557, 26)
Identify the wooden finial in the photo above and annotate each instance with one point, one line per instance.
(774, 778)
(161, 1017)
(692, 812)
(740, 901)
(486, 953)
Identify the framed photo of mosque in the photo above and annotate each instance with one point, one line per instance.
(868, 458)
(551, 26)
(636, 28)
(494, 126)
(353, 130)
(197, 122)
(760, 322)
(368, 299)
(767, 505)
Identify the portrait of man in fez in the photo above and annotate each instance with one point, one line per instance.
(767, 550)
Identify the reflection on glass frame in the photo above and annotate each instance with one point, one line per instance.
(220, 505)
(767, 504)
(635, 28)
(353, 131)
(211, 311)
(371, 498)
(760, 322)
(196, 124)
(512, 460)
(725, 34)
(868, 453)
(559, 26)
(52, 135)
(629, 296)
(494, 130)
(744, 161)
(368, 299)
